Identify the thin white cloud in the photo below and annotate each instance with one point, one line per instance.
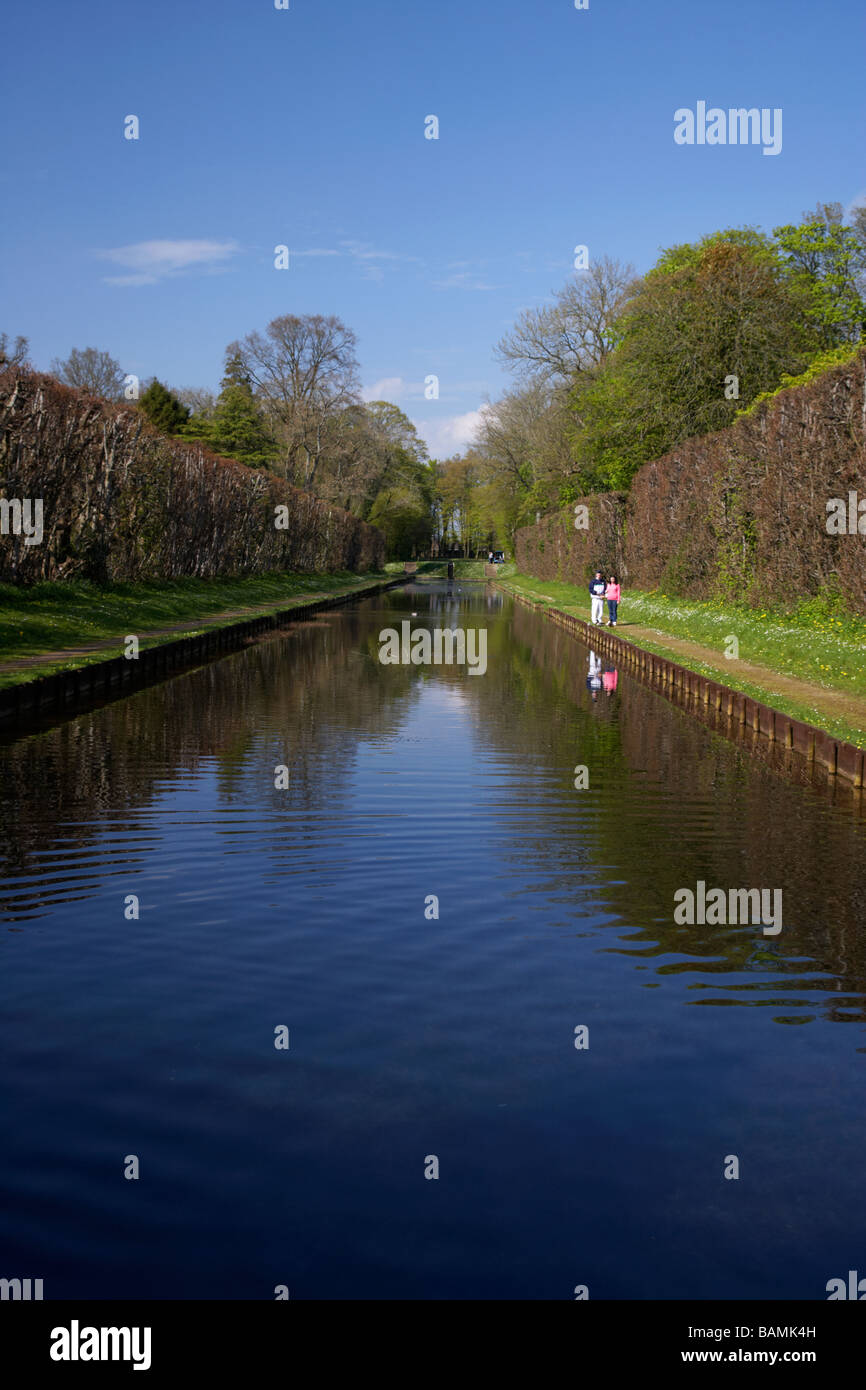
(130, 279)
(397, 388)
(364, 252)
(463, 280)
(450, 435)
(151, 261)
(367, 257)
(388, 388)
(370, 259)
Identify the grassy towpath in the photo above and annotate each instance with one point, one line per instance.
(807, 660)
(62, 626)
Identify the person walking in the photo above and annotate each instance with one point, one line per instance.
(597, 589)
(611, 593)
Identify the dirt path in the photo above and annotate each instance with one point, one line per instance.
(106, 644)
(837, 702)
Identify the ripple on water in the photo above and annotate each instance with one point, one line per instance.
(416, 1031)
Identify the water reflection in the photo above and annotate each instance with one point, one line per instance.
(680, 804)
(600, 677)
(593, 679)
(675, 803)
(414, 1033)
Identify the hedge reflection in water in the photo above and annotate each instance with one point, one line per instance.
(410, 1035)
(305, 700)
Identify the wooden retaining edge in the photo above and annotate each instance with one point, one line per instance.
(74, 690)
(835, 757)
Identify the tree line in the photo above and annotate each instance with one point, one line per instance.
(614, 370)
(618, 369)
(290, 404)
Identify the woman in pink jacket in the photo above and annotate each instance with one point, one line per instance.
(611, 593)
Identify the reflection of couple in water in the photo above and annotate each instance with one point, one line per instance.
(597, 679)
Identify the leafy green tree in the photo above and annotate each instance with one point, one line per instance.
(398, 435)
(401, 479)
(825, 259)
(710, 327)
(201, 405)
(461, 490)
(235, 372)
(238, 428)
(405, 521)
(858, 227)
(163, 409)
(616, 371)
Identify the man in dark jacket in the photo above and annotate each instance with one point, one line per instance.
(597, 587)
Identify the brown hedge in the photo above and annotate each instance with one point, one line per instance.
(740, 512)
(121, 501)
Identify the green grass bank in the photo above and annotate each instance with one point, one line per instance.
(807, 659)
(45, 628)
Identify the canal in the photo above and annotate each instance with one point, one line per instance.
(443, 939)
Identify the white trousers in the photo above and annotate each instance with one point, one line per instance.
(597, 609)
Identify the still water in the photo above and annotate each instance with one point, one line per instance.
(412, 1036)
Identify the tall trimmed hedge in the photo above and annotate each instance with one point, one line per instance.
(121, 501)
(742, 512)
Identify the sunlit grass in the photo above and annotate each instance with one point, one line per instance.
(53, 616)
(817, 641)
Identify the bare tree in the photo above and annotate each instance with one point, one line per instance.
(198, 401)
(91, 370)
(13, 356)
(396, 429)
(354, 459)
(368, 447)
(304, 371)
(572, 335)
(523, 436)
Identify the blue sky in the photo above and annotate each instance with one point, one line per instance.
(305, 127)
